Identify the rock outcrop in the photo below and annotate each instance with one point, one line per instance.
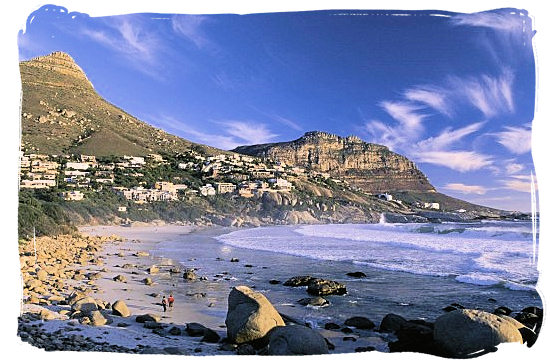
(372, 167)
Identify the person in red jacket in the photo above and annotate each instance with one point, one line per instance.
(171, 301)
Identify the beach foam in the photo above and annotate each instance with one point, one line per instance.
(477, 253)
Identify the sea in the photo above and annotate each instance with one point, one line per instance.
(414, 270)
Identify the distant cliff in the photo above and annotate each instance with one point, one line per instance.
(372, 167)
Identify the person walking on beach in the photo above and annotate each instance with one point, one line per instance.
(164, 303)
(171, 301)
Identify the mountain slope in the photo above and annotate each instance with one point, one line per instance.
(372, 167)
(63, 114)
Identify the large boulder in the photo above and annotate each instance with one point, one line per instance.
(250, 316)
(465, 331)
(296, 340)
(121, 309)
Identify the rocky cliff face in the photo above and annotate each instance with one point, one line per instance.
(372, 167)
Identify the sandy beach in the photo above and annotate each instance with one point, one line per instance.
(142, 264)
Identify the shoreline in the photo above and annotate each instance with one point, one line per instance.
(205, 301)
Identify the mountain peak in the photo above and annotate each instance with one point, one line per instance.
(59, 62)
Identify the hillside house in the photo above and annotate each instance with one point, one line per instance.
(225, 187)
(72, 195)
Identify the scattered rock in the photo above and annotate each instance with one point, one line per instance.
(274, 281)
(331, 325)
(298, 281)
(147, 281)
(245, 349)
(356, 274)
(195, 329)
(359, 323)
(189, 274)
(97, 319)
(392, 323)
(326, 287)
(84, 305)
(153, 269)
(315, 301)
(148, 317)
(121, 309)
(175, 331)
(120, 278)
(210, 336)
(234, 260)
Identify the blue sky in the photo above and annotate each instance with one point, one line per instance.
(453, 92)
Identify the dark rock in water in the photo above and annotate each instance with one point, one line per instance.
(356, 274)
(331, 325)
(197, 350)
(392, 323)
(451, 307)
(248, 266)
(274, 281)
(295, 340)
(491, 300)
(348, 338)
(326, 287)
(122, 324)
(175, 331)
(359, 323)
(298, 281)
(154, 295)
(503, 311)
(535, 310)
(195, 329)
(422, 322)
(210, 336)
(245, 349)
(315, 301)
(234, 260)
(175, 270)
(347, 330)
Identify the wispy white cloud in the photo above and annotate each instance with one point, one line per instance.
(461, 161)
(248, 132)
(517, 185)
(406, 114)
(190, 27)
(230, 135)
(513, 167)
(432, 96)
(517, 140)
(448, 137)
(490, 95)
(125, 36)
(466, 189)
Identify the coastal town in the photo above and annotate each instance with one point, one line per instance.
(239, 175)
(235, 174)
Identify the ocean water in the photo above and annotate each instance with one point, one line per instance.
(482, 253)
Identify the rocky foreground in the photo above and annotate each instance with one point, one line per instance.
(62, 311)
